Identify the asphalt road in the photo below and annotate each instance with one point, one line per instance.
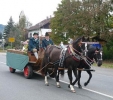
(16, 87)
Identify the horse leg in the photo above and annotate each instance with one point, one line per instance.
(46, 81)
(75, 74)
(56, 72)
(70, 78)
(90, 76)
(79, 76)
(44, 70)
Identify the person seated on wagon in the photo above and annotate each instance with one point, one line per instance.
(47, 41)
(25, 45)
(33, 45)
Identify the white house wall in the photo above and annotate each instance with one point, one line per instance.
(41, 32)
(31, 33)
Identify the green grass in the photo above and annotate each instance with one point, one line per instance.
(2, 50)
(106, 64)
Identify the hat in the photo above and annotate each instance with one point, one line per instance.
(35, 34)
(46, 34)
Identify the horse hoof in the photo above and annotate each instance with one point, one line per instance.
(80, 87)
(73, 91)
(68, 86)
(47, 84)
(85, 84)
(58, 86)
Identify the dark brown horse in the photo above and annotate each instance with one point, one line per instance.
(92, 53)
(70, 62)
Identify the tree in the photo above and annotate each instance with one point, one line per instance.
(9, 27)
(60, 23)
(0, 35)
(17, 30)
(22, 26)
(80, 17)
(11, 30)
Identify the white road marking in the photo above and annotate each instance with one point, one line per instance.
(91, 90)
(83, 88)
(2, 53)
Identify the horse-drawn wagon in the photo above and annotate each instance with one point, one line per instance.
(19, 60)
(72, 60)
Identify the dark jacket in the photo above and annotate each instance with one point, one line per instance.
(33, 44)
(45, 43)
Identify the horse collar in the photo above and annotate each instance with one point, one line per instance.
(73, 54)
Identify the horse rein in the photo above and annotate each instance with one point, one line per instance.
(82, 57)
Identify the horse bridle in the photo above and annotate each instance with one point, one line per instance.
(100, 54)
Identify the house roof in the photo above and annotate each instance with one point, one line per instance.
(40, 24)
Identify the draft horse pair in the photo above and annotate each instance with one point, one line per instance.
(73, 59)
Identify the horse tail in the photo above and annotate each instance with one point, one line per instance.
(42, 66)
(45, 60)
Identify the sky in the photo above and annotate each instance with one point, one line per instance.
(35, 10)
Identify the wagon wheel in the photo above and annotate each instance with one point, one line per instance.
(28, 71)
(12, 70)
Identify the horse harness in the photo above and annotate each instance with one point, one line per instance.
(62, 56)
(74, 55)
(77, 56)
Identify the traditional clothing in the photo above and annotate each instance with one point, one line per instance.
(46, 42)
(33, 44)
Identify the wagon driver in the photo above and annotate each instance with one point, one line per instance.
(47, 41)
(33, 45)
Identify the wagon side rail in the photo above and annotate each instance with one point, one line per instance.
(16, 60)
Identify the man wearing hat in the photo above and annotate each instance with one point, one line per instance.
(33, 45)
(47, 41)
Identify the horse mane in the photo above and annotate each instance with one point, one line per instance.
(91, 49)
(75, 44)
(77, 40)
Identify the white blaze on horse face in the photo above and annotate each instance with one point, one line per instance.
(46, 80)
(85, 49)
(101, 55)
(86, 46)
